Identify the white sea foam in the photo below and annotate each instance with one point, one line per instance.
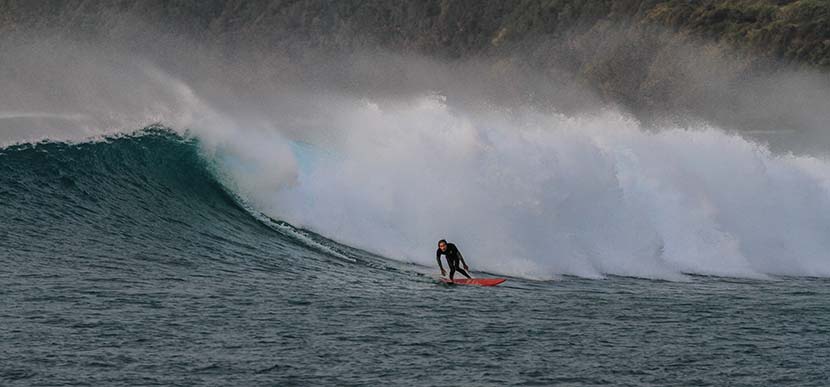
(539, 195)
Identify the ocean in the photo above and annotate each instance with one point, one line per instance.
(128, 260)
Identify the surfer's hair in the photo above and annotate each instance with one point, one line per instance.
(444, 241)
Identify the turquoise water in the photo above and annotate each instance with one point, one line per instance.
(126, 262)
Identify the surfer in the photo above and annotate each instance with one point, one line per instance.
(454, 257)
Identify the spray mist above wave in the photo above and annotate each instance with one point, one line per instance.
(539, 195)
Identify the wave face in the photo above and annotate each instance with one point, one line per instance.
(144, 201)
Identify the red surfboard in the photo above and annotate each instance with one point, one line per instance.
(474, 281)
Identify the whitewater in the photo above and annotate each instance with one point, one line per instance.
(537, 196)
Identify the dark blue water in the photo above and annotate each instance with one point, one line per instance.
(126, 262)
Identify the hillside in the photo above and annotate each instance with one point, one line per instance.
(796, 31)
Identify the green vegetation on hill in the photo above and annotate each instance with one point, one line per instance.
(793, 30)
(796, 30)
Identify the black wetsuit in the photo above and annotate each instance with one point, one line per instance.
(454, 257)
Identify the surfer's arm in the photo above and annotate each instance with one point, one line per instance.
(461, 258)
(438, 259)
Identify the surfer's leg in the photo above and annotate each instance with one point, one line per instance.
(453, 264)
(460, 270)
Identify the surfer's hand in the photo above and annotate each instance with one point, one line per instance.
(466, 267)
(443, 272)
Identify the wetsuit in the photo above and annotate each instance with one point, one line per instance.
(454, 257)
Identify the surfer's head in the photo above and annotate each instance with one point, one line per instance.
(442, 244)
